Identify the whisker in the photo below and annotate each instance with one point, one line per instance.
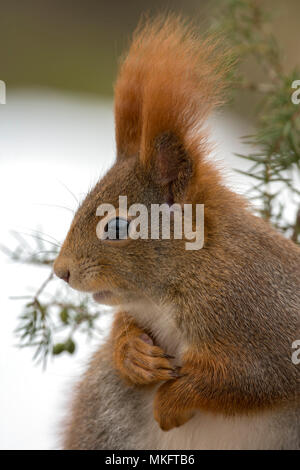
(69, 191)
(43, 233)
(55, 205)
(40, 238)
(45, 251)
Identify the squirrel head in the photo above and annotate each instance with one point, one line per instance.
(167, 85)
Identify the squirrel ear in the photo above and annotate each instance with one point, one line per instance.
(171, 165)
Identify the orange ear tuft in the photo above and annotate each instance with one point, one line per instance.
(168, 84)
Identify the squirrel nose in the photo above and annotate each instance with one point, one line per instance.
(61, 271)
(64, 275)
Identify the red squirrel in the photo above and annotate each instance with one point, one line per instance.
(199, 354)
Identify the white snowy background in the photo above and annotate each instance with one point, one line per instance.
(50, 141)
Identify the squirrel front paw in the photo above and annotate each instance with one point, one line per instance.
(140, 362)
(167, 411)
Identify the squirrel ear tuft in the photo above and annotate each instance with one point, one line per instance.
(170, 81)
(170, 164)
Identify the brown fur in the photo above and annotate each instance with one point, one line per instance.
(235, 303)
(168, 65)
(138, 361)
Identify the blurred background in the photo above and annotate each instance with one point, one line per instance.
(75, 46)
(59, 61)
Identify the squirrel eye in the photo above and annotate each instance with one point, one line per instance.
(117, 229)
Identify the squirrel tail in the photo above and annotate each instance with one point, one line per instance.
(169, 82)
